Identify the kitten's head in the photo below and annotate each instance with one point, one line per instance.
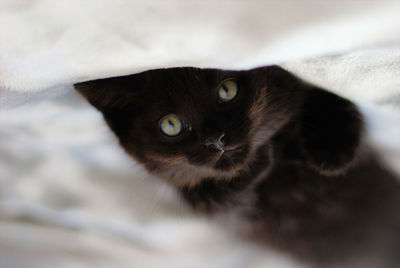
(184, 124)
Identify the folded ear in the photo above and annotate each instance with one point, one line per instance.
(109, 93)
(331, 131)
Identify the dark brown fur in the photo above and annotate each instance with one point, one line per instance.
(298, 173)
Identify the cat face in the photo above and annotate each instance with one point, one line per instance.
(185, 124)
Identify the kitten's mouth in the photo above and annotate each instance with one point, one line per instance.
(231, 158)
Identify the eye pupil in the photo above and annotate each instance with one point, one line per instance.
(171, 125)
(227, 90)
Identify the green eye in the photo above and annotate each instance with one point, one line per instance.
(227, 91)
(171, 125)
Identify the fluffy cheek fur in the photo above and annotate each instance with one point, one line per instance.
(266, 121)
(179, 171)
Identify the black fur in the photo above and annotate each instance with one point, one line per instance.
(297, 171)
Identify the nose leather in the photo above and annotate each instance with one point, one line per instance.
(215, 143)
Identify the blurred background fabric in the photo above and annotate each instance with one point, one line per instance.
(70, 197)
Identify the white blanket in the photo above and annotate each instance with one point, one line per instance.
(69, 196)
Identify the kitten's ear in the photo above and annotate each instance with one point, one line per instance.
(109, 93)
(117, 99)
(331, 131)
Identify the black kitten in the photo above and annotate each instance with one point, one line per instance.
(286, 158)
